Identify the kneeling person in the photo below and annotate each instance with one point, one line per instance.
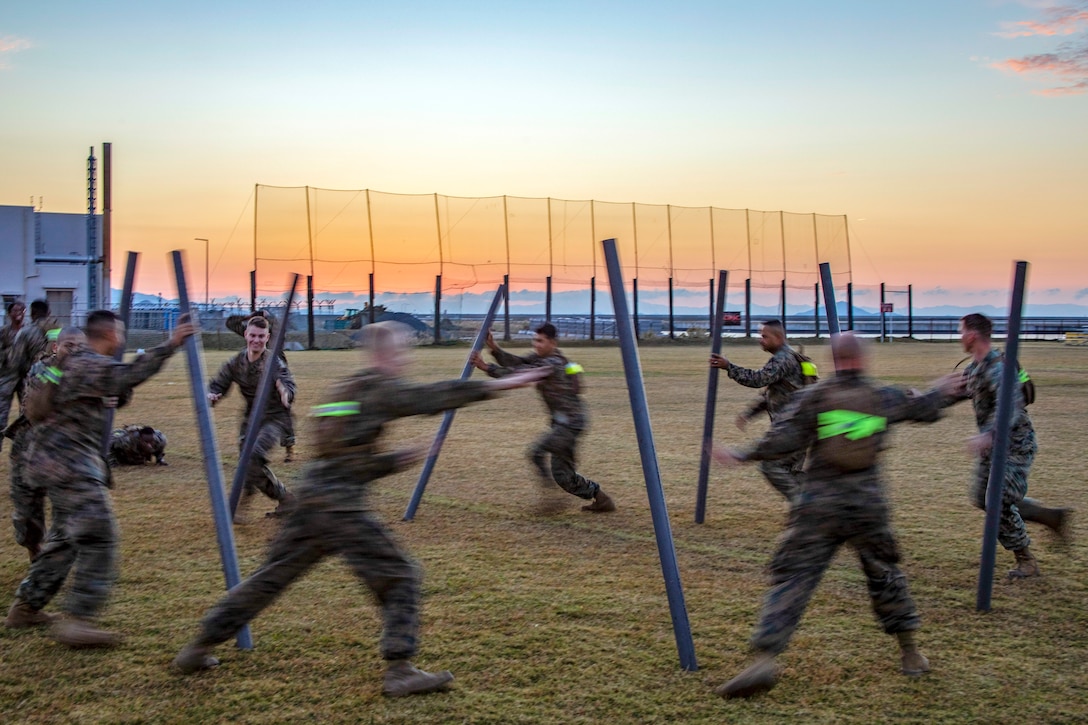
(136, 445)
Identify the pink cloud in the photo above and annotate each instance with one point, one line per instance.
(11, 44)
(1068, 63)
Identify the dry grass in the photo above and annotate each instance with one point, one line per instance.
(563, 618)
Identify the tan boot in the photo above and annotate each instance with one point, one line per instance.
(913, 662)
(602, 503)
(194, 658)
(760, 676)
(402, 678)
(21, 616)
(81, 634)
(1026, 566)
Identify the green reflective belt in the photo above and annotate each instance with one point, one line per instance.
(1023, 376)
(809, 370)
(852, 424)
(334, 410)
(51, 375)
(574, 369)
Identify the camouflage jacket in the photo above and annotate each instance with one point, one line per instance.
(797, 427)
(559, 390)
(126, 447)
(31, 383)
(350, 425)
(781, 377)
(983, 384)
(78, 416)
(9, 369)
(239, 370)
(31, 344)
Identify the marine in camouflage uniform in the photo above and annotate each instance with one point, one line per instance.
(277, 416)
(780, 378)
(560, 391)
(237, 325)
(835, 507)
(28, 501)
(65, 458)
(332, 515)
(982, 385)
(136, 445)
(11, 379)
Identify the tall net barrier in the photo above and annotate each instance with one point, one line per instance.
(401, 243)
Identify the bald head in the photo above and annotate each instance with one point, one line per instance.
(387, 343)
(849, 352)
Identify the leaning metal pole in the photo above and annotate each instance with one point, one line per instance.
(210, 449)
(711, 398)
(666, 551)
(123, 313)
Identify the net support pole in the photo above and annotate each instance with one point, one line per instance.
(194, 354)
(748, 307)
(711, 398)
(124, 313)
(816, 310)
(593, 307)
(437, 309)
(672, 322)
(995, 487)
(548, 299)
(506, 308)
(662, 530)
(310, 313)
(260, 399)
(252, 291)
(829, 299)
(447, 418)
(372, 316)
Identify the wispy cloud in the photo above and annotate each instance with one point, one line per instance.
(1080, 294)
(938, 291)
(1066, 67)
(10, 44)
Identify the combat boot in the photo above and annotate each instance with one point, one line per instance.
(1026, 566)
(289, 454)
(1057, 520)
(194, 658)
(912, 662)
(21, 615)
(602, 503)
(760, 676)
(285, 506)
(402, 678)
(81, 634)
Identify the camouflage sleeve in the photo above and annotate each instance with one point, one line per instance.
(237, 324)
(159, 450)
(220, 384)
(757, 406)
(777, 368)
(27, 348)
(116, 378)
(899, 406)
(795, 430)
(993, 380)
(428, 399)
(504, 359)
(283, 374)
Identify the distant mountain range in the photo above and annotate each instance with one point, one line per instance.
(577, 302)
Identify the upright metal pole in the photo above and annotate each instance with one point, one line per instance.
(829, 299)
(447, 418)
(373, 315)
(548, 299)
(672, 324)
(995, 487)
(710, 326)
(634, 300)
(883, 328)
(506, 307)
(711, 399)
(748, 307)
(850, 305)
(593, 307)
(107, 222)
(210, 450)
(816, 309)
(640, 411)
(784, 325)
(260, 399)
(252, 291)
(910, 311)
(437, 309)
(310, 313)
(123, 312)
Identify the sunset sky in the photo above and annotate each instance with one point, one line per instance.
(951, 134)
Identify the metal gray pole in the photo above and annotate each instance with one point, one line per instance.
(662, 530)
(829, 299)
(711, 398)
(447, 418)
(123, 312)
(995, 487)
(260, 399)
(210, 449)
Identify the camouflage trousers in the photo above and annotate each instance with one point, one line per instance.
(561, 444)
(1011, 531)
(259, 477)
(84, 535)
(27, 499)
(310, 534)
(288, 437)
(818, 526)
(786, 475)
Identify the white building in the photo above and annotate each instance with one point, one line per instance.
(43, 255)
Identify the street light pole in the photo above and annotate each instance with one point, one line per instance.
(207, 302)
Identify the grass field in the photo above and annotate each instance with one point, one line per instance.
(563, 618)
